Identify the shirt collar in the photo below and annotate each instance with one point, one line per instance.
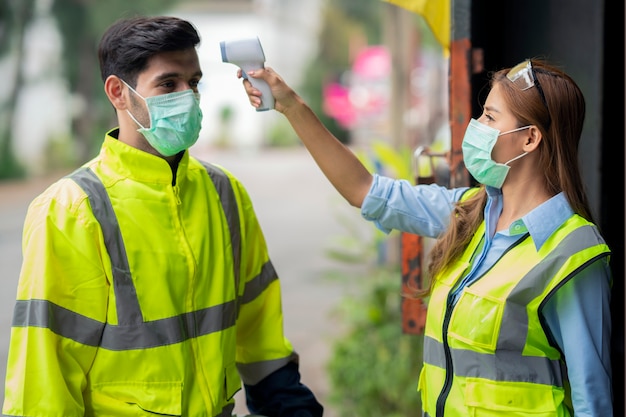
(542, 221)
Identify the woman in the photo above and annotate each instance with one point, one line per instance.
(518, 317)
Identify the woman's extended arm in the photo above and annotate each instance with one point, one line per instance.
(338, 163)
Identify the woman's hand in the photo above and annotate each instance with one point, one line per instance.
(284, 96)
(342, 168)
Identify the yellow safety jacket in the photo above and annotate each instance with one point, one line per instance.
(140, 295)
(488, 355)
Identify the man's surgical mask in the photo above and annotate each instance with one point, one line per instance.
(478, 143)
(175, 121)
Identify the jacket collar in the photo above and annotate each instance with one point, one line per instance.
(130, 162)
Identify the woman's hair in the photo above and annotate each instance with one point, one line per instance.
(561, 125)
(128, 44)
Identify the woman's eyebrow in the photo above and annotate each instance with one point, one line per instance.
(491, 109)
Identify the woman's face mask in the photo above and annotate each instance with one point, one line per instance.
(478, 143)
(175, 121)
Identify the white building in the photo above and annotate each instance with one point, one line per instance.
(287, 30)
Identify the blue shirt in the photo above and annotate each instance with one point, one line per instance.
(577, 315)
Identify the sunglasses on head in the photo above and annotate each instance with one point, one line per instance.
(523, 77)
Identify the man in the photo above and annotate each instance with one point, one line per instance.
(146, 286)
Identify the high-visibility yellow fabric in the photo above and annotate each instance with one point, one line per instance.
(435, 13)
(475, 331)
(179, 250)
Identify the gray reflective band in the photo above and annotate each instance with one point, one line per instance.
(128, 311)
(513, 335)
(170, 330)
(132, 332)
(501, 366)
(257, 285)
(229, 204)
(508, 363)
(43, 313)
(253, 373)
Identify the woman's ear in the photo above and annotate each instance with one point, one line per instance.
(533, 139)
(114, 89)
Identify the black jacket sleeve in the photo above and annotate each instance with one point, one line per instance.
(281, 394)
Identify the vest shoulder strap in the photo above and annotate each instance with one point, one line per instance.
(129, 311)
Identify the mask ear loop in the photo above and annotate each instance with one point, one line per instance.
(134, 120)
(516, 158)
(128, 111)
(511, 131)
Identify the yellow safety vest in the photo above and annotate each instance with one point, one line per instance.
(138, 296)
(488, 355)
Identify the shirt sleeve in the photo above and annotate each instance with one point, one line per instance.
(579, 318)
(419, 209)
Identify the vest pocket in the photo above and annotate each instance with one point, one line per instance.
(138, 398)
(476, 320)
(485, 398)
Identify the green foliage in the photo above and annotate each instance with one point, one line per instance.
(15, 16)
(383, 158)
(60, 154)
(396, 162)
(374, 369)
(282, 135)
(358, 245)
(226, 114)
(10, 167)
(344, 23)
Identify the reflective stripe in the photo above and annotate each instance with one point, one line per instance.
(229, 205)
(43, 313)
(503, 366)
(170, 330)
(66, 323)
(128, 311)
(508, 363)
(513, 335)
(253, 373)
(259, 283)
(131, 333)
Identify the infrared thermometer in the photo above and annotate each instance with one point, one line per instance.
(248, 55)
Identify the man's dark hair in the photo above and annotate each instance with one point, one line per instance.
(128, 44)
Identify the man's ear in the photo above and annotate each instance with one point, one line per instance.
(114, 89)
(533, 139)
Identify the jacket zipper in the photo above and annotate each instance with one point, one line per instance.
(450, 303)
(447, 385)
(176, 191)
